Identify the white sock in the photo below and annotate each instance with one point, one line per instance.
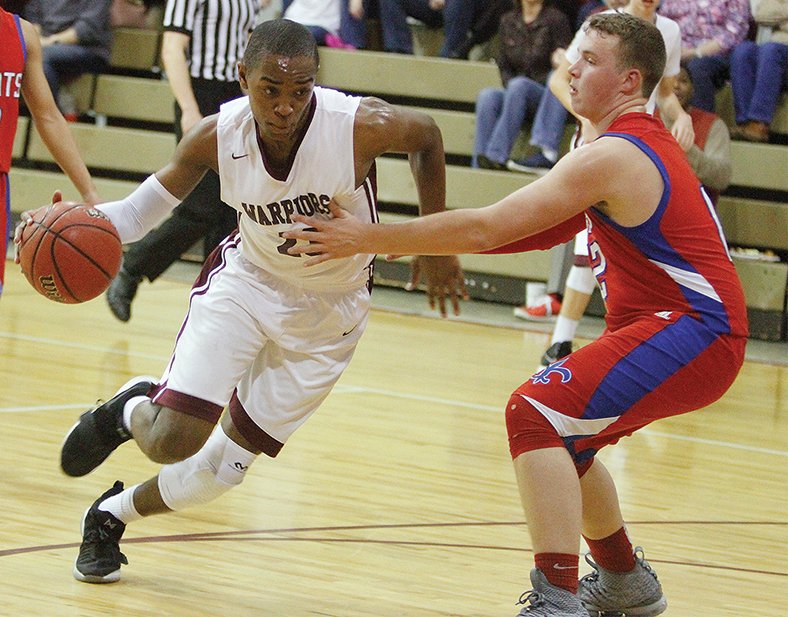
(128, 408)
(564, 330)
(550, 155)
(121, 506)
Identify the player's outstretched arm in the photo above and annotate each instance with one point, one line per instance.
(582, 178)
(49, 122)
(381, 127)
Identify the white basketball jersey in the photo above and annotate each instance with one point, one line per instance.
(322, 168)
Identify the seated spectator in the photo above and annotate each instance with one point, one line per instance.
(455, 16)
(484, 28)
(595, 6)
(529, 36)
(321, 17)
(709, 31)
(75, 36)
(759, 71)
(710, 156)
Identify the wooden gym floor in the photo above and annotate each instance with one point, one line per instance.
(396, 499)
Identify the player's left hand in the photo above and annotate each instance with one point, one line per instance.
(26, 218)
(444, 278)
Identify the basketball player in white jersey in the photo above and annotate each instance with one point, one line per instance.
(263, 336)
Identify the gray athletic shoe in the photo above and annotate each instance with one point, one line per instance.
(546, 600)
(629, 594)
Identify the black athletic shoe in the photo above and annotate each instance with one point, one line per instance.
(121, 293)
(99, 431)
(99, 558)
(556, 351)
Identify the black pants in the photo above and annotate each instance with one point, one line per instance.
(201, 215)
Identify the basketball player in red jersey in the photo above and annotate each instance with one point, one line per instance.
(21, 73)
(676, 317)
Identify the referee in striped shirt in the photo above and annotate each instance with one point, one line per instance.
(202, 43)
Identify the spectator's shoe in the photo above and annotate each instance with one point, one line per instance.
(555, 352)
(544, 309)
(546, 600)
(100, 430)
(99, 558)
(535, 164)
(121, 293)
(332, 40)
(486, 163)
(634, 594)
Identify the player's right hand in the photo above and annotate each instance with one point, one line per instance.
(25, 219)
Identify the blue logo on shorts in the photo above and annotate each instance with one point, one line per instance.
(543, 376)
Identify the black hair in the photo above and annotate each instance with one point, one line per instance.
(279, 37)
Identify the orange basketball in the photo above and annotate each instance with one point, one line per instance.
(70, 252)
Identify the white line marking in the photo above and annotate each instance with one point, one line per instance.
(352, 389)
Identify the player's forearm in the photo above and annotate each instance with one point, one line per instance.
(446, 233)
(58, 139)
(173, 55)
(141, 211)
(429, 172)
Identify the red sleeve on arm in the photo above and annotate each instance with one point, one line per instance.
(563, 232)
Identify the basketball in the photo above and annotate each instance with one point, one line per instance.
(70, 252)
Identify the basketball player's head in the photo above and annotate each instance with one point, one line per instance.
(640, 46)
(278, 73)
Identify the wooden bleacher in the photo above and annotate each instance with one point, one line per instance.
(137, 140)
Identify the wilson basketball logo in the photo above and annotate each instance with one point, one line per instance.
(49, 287)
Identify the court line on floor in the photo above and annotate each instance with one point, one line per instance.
(341, 389)
(348, 389)
(353, 389)
(266, 535)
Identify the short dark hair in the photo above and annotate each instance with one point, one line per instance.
(640, 45)
(279, 37)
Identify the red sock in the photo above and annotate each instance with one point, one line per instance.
(614, 553)
(559, 568)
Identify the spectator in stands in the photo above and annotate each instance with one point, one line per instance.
(547, 131)
(321, 17)
(709, 31)
(710, 155)
(759, 70)
(529, 36)
(455, 16)
(595, 6)
(202, 77)
(484, 28)
(22, 74)
(75, 37)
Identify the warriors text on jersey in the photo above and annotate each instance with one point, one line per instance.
(321, 168)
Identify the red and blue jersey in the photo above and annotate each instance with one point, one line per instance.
(13, 54)
(676, 261)
(676, 317)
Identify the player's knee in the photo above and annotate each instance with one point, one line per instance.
(167, 448)
(174, 436)
(527, 428)
(219, 465)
